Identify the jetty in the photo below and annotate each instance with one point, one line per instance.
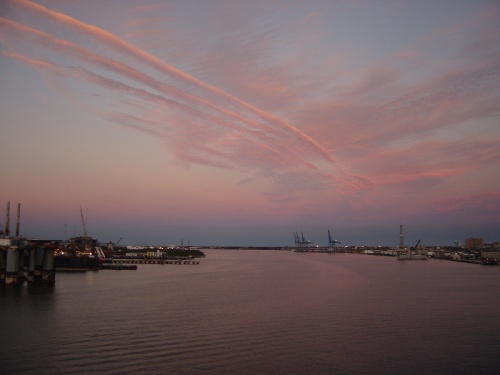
(118, 266)
(154, 261)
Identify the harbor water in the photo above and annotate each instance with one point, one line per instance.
(258, 312)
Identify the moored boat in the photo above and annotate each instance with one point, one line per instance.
(489, 262)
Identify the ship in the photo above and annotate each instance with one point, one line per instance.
(78, 254)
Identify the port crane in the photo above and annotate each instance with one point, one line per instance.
(332, 243)
(300, 242)
(416, 246)
(300, 239)
(304, 241)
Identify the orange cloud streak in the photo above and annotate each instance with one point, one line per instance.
(120, 45)
(256, 139)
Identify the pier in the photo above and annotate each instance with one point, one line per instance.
(131, 264)
(118, 266)
(155, 261)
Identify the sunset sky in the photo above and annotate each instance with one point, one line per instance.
(224, 122)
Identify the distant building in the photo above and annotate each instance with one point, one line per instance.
(471, 243)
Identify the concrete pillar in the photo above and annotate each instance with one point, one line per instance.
(12, 268)
(3, 264)
(49, 266)
(20, 269)
(31, 266)
(38, 263)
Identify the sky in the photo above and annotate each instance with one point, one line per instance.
(226, 122)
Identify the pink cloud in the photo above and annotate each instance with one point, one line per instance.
(488, 203)
(374, 80)
(429, 156)
(131, 51)
(452, 99)
(384, 128)
(221, 130)
(39, 64)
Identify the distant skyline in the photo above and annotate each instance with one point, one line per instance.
(238, 123)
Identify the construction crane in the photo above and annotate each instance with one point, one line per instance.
(117, 242)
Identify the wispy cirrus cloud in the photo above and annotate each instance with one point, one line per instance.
(405, 114)
(201, 123)
(282, 101)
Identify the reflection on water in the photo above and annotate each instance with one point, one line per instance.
(254, 312)
(24, 289)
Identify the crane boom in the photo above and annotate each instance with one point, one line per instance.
(83, 223)
(332, 244)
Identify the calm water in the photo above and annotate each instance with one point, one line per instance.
(259, 312)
